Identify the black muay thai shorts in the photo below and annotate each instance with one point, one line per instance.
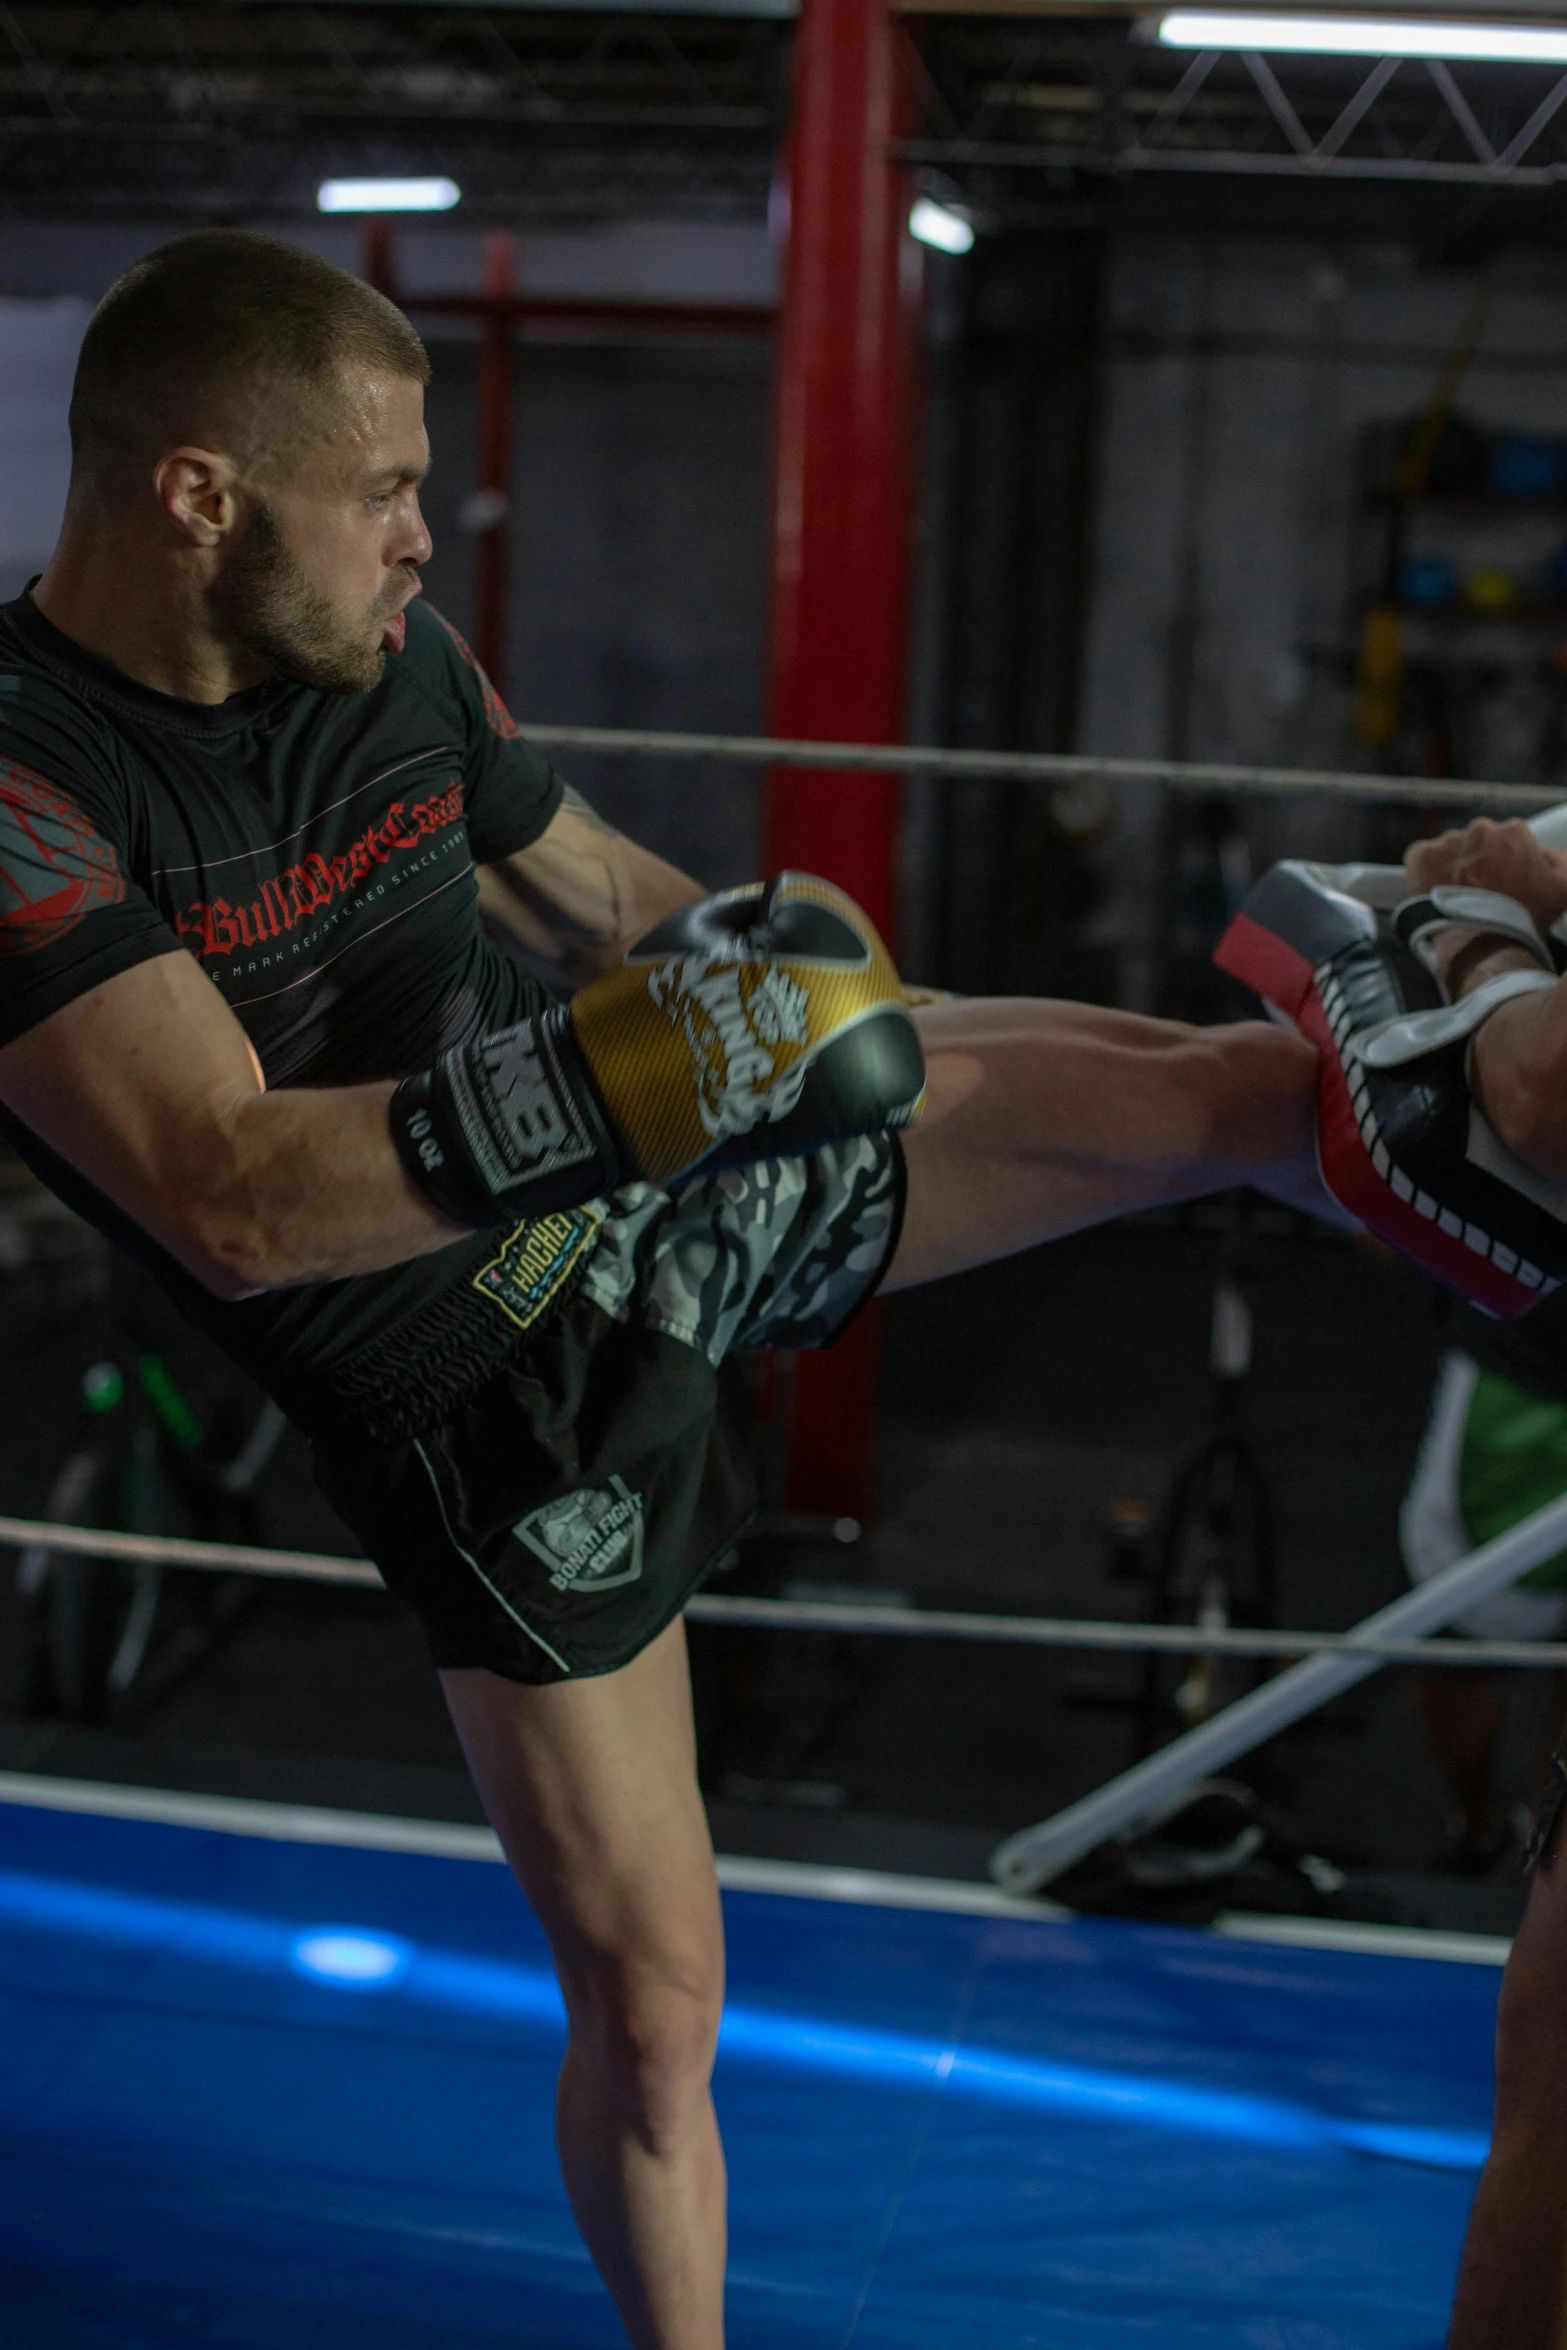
(554, 1519)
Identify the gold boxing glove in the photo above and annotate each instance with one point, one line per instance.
(759, 1024)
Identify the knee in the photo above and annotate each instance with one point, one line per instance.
(645, 2026)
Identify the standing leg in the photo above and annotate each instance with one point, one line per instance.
(591, 1786)
(1512, 2284)
(1461, 1716)
(1044, 1117)
(1550, 1735)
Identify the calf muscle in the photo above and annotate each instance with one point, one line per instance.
(1046, 1117)
(1512, 2283)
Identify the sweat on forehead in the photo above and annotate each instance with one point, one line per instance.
(236, 341)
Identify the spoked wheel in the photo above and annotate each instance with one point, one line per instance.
(1213, 1568)
(114, 1636)
(96, 1615)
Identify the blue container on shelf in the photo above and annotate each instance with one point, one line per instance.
(1524, 468)
(1422, 580)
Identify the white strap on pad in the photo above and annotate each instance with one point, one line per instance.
(1412, 1035)
(1419, 919)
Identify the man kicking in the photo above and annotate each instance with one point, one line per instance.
(488, 1245)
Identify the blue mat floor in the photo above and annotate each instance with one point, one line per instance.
(267, 2095)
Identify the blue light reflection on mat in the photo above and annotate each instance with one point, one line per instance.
(360, 1960)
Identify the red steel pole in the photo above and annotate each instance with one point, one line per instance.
(378, 253)
(843, 460)
(495, 435)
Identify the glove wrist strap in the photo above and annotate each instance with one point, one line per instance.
(506, 1126)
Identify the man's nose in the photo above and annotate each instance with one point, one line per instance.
(417, 544)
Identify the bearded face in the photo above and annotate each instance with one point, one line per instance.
(301, 625)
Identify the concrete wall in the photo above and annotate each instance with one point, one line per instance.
(1238, 379)
(38, 345)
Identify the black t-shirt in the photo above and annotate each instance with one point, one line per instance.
(315, 852)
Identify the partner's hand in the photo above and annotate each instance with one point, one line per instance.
(1487, 855)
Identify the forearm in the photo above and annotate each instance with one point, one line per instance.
(312, 1190)
(1519, 1070)
(581, 895)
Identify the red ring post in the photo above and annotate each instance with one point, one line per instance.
(844, 428)
(492, 595)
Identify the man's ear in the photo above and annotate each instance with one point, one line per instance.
(196, 491)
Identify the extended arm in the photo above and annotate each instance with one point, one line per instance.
(149, 1087)
(581, 895)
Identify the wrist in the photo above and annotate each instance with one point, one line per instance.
(505, 1126)
(1465, 959)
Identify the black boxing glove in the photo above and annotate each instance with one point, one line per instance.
(759, 1024)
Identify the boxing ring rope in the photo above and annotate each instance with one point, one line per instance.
(1036, 766)
(1025, 1863)
(826, 1615)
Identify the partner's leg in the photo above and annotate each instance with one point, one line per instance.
(1461, 1718)
(1512, 2284)
(592, 1789)
(1044, 1117)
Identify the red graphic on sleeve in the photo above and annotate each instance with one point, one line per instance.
(292, 896)
(500, 719)
(54, 868)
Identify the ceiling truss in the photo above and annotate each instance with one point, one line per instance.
(1098, 99)
(202, 106)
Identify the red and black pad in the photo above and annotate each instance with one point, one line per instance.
(1406, 1150)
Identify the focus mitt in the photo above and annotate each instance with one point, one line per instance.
(1401, 1141)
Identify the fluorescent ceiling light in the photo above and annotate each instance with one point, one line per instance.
(387, 195)
(941, 225)
(1364, 36)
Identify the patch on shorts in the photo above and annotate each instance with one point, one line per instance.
(590, 1540)
(535, 1261)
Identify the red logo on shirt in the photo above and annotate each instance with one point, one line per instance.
(499, 718)
(54, 868)
(220, 928)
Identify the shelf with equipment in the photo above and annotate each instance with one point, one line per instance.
(1460, 591)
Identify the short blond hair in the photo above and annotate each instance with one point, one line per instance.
(234, 341)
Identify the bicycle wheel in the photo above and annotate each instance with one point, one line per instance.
(1214, 1568)
(98, 1614)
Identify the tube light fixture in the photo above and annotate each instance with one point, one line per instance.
(941, 225)
(387, 195)
(1365, 36)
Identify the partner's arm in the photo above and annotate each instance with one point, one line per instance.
(581, 895)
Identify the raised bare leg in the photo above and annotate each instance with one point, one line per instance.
(591, 1786)
(1044, 1117)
